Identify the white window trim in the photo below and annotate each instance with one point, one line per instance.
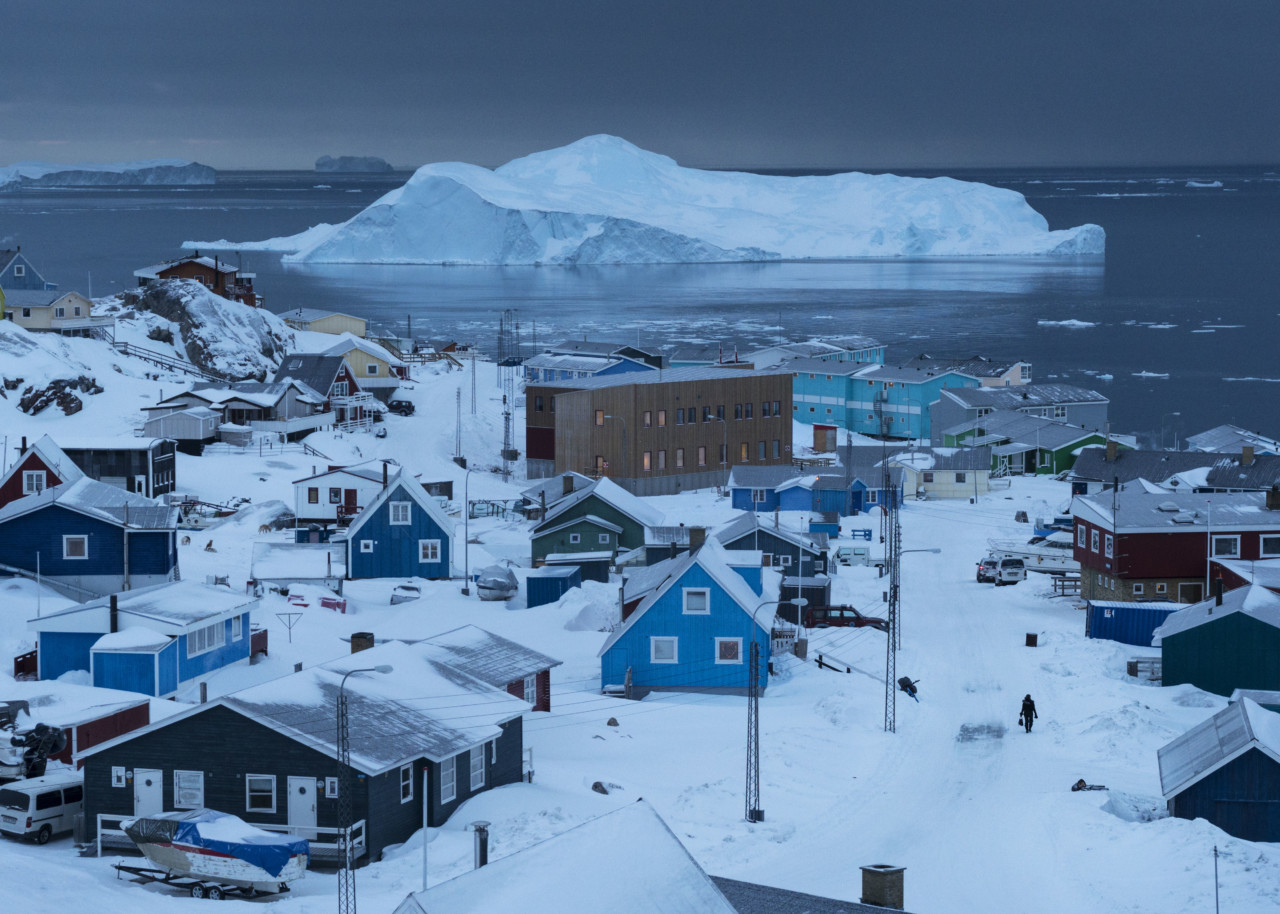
(785, 561)
(396, 508)
(1263, 551)
(449, 767)
(215, 642)
(118, 778)
(406, 780)
(331, 787)
(737, 662)
(684, 601)
(237, 628)
(758, 496)
(247, 805)
(1162, 588)
(19, 269)
(477, 778)
(75, 558)
(1108, 546)
(428, 550)
(602, 539)
(1094, 540)
(1139, 590)
(531, 689)
(1216, 537)
(27, 477)
(575, 538)
(675, 648)
(371, 369)
(1082, 537)
(177, 792)
(366, 545)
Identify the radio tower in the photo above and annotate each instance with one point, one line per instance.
(510, 358)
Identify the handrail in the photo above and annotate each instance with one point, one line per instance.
(164, 361)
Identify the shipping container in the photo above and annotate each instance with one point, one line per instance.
(1128, 623)
(551, 582)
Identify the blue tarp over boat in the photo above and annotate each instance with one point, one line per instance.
(216, 832)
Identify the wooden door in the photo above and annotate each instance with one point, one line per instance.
(302, 806)
(148, 791)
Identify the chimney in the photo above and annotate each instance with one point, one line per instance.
(204, 692)
(482, 842)
(697, 537)
(114, 613)
(1273, 498)
(1246, 456)
(24, 440)
(384, 474)
(1111, 451)
(361, 641)
(1217, 591)
(566, 479)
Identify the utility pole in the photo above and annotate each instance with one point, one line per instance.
(754, 813)
(457, 432)
(893, 543)
(346, 875)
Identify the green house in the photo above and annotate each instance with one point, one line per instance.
(601, 517)
(1025, 445)
(1224, 646)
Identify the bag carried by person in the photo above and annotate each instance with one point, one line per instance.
(1019, 721)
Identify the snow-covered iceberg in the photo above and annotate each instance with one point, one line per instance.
(353, 164)
(153, 171)
(603, 200)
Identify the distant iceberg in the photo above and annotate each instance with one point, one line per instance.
(353, 164)
(153, 171)
(602, 200)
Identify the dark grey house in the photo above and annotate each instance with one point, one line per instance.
(791, 552)
(269, 753)
(145, 466)
(1063, 402)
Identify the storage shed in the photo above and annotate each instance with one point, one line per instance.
(192, 428)
(1225, 643)
(1227, 771)
(592, 566)
(1128, 623)
(551, 582)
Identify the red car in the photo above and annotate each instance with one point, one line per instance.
(841, 616)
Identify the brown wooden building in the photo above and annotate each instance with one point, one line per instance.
(659, 432)
(219, 276)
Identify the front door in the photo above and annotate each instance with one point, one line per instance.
(148, 791)
(349, 502)
(302, 806)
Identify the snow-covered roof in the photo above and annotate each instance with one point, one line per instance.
(824, 367)
(645, 579)
(221, 264)
(578, 870)
(170, 609)
(909, 375)
(749, 522)
(258, 393)
(51, 456)
(132, 640)
(348, 341)
(370, 470)
(760, 477)
(1160, 511)
(714, 560)
(298, 561)
(1255, 600)
(1264, 572)
(596, 347)
(417, 493)
(1224, 438)
(552, 488)
(976, 366)
(1023, 396)
(99, 500)
(551, 361)
(109, 443)
(307, 315)
(489, 657)
(31, 298)
(577, 558)
(317, 371)
(1128, 465)
(612, 494)
(1216, 742)
(1007, 424)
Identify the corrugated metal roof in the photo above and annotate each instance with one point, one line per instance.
(1024, 396)
(316, 371)
(752, 898)
(31, 298)
(1208, 746)
(1157, 466)
(611, 494)
(799, 365)
(760, 477)
(598, 347)
(1231, 438)
(749, 522)
(98, 499)
(977, 366)
(555, 362)
(489, 657)
(298, 561)
(1020, 427)
(1164, 511)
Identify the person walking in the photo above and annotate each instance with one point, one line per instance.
(1028, 713)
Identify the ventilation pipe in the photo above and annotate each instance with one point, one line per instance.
(1273, 498)
(114, 613)
(1111, 451)
(482, 842)
(1217, 591)
(697, 537)
(384, 474)
(567, 483)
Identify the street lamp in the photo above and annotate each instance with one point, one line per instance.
(1175, 436)
(754, 812)
(624, 440)
(347, 876)
(897, 627)
(466, 535)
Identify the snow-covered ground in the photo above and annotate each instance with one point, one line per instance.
(603, 200)
(979, 813)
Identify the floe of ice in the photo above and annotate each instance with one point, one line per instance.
(1072, 323)
(1151, 374)
(1204, 184)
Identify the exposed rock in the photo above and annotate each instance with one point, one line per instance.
(58, 393)
(611, 722)
(160, 335)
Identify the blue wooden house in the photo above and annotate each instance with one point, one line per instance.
(691, 632)
(16, 272)
(840, 493)
(401, 533)
(154, 640)
(789, 551)
(1227, 770)
(87, 538)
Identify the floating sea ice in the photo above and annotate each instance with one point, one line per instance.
(1072, 324)
(1150, 374)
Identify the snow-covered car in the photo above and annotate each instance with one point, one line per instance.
(405, 593)
(988, 570)
(1011, 571)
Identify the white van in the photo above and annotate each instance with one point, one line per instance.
(41, 807)
(1011, 571)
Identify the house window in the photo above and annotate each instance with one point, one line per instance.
(599, 417)
(747, 410)
(679, 417)
(1269, 546)
(575, 538)
(647, 420)
(1093, 540)
(203, 640)
(662, 460)
(1081, 533)
(76, 311)
(477, 768)
(118, 778)
(338, 389)
(366, 545)
(1162, 589)
(1108, 547)
(777, 448)
(313, 495)
(743, 452)
(19, 269)
(75, 547)
(1226, 546)
(871, 496)
(728, 650)
(777, 407)
(928, 477)
(188, 789)
(400, 513)
(762, 449)
(758, 496)
(32, 482)
(26, 312)
(60, 312)
(335, 496)
(664, 650)
(331, 788)
(679, 458)
(537, 404)
(702, 456)
(691, 414)
(449, 780)
(706, 414)
(1139, 590)
(1059, 412)
(764, 410)
(428, 550)
(371, 369)
(697, 601)
(237, 628)
(531, 689)
(260, 792)
(1024, 372)
(602, 539)
(662, 418)
(960, 477)
(406, 783)
(737, 410)
(646, 461)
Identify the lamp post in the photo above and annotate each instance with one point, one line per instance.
(624, 440)
(724, 448)
(1175, 437)
(346, 875)
(754, 812)
(897, 628)
(466, 535)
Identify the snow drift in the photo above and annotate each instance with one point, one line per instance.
(603, 200)
(23, 175)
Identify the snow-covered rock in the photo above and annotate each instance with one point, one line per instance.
(365, 164)
(603, 200)
(22, 175)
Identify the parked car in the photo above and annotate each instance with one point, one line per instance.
(400, 407)
(41, 807)
(853, 555)
(841, 616)
(1011, 571)
(988, 570)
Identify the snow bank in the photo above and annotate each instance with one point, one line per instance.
(603, 200)
(22, 175)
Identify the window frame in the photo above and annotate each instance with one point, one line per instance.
(675, 648)
(199, 636)
(602, 539)
(1082, 536)
(313, 495)
(249, 793)
(531, 689)
(28, 476)
(1216, 538)
(1263, 550)
(237, 628)
(1108, 546)
(662, 418)
(70, 537)
(737, 642)
(702, 455)
(449, 767)
(961, 478)
(335, 495)
(686, 592)
(371, 370)
(575, 539)
(366, 547)
(1139, 589)
(406, 783)
(477, 754)
(395, 507)
(428, 551)
(1095, 540)
(1162, 589)
(177, 789)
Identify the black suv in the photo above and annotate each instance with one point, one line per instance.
(400, 407)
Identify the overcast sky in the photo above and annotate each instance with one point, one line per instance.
(894, 83)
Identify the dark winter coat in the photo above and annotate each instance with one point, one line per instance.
(1029, 708)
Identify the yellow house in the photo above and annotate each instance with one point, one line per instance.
(320, 321)
(377, 371)
(69, 313)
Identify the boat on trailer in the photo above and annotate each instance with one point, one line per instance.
(1052, 554)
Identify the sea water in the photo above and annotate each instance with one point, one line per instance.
(1179, 326)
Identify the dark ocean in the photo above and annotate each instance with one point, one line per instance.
(1190, 288)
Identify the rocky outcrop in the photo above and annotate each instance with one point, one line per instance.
(60, 393)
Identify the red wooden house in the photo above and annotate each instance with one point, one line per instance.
(1136, 545)
(219, 276)
(39, 467)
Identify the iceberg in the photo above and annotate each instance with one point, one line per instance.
(602, 200)
(23, 175)
(353, 164)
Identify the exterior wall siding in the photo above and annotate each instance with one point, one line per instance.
(230, 652)
(802, 561)
(31, 462)
(507, 769)
(1229, 653)
(395, 546)
(1239, 798)
(127, 672)
(21, 538)
(62, 652)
